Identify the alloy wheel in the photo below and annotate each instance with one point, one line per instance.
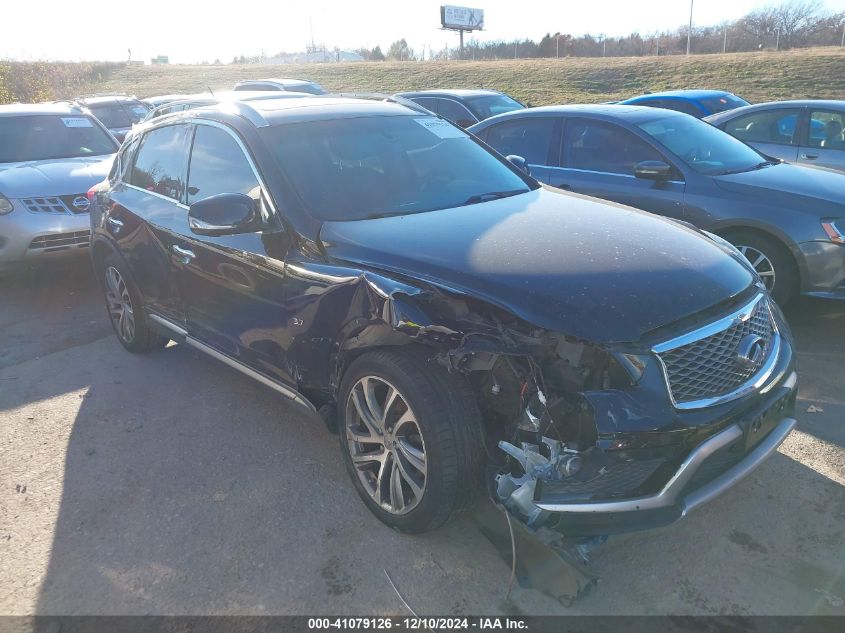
(119, 304)
(761, 263)
(386, 445)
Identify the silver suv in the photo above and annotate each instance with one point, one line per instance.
(50, 156)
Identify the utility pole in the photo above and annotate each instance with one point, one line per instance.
(604, 48)
(515, 44)
(689, 32)
(777, 40)
(725, 42)
(557, 45)
(657, 47)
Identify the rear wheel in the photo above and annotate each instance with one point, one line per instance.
(126, 311)
(410, 437)
(772, 262)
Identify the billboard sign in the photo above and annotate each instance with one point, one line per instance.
(462, 18)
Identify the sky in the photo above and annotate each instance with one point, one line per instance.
(191, 31)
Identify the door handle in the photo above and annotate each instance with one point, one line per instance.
(809, 156)
(115, 224)
(185, 255)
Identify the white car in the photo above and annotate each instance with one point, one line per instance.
(50, 156)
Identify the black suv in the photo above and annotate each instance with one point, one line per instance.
(595, 367)
(117, 112)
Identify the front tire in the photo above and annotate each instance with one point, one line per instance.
(772, 261)
(126, 310)
(410, 437)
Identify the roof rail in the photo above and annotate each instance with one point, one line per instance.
(242, 108)
(378, 96)
(104, 94)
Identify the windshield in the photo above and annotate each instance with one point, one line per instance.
(351, 169)
(42, 137)
(703, 147)
(491, 105)
(312, 89)
(722, 103)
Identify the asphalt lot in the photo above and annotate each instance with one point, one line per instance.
(170, 484)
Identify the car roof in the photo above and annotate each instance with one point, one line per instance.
(606, 111)
(685, 94)
(277, 111)
(446, 92)
(105, 99)
(772, 105)
(23, 109)
(285, 81)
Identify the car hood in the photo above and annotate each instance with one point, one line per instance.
(563, 262)
(54, 177)
(792, 184)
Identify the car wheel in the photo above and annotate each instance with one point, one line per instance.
(772, 262)
(410, 437)
(126, 311)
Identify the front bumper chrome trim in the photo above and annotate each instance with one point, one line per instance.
(671, 492)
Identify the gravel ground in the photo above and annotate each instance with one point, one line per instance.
(170, 484)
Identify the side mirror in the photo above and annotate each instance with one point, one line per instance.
(224, 214)
(653, 170)
(519, 162)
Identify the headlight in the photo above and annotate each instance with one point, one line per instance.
(5, 205)
(835, 230)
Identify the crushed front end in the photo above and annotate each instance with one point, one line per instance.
(594, 440)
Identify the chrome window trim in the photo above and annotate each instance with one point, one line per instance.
(286, 391)
(157, 195)
(753, 383)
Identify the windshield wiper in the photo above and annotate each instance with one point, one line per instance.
(760, 165)
(492, 195)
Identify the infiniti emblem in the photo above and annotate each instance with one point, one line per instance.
(81, 203)
(750, 352)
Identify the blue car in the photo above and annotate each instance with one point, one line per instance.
(698, 103)
(789, 221)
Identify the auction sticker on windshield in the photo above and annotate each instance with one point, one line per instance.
(77, 121)
(441, 128)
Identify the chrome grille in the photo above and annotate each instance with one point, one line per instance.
(60, 241)
(44, 205)
(711, 365)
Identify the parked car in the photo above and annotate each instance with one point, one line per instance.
(789, 221)
(378, 263)
(281, 85)
(464, 107)
(698, 103)
(158, 100)
(204, 99)
(50, 156)
(807, 132)
(117, 112)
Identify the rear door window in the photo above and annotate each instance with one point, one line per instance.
(160, 163)
(604, 147)
(769, 126)
(455, 112)
(219, 165)
(529, 137)
(112, 115)
(827, 129)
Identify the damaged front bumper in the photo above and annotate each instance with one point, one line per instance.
(712, 467)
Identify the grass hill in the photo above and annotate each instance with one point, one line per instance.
(809, 73)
